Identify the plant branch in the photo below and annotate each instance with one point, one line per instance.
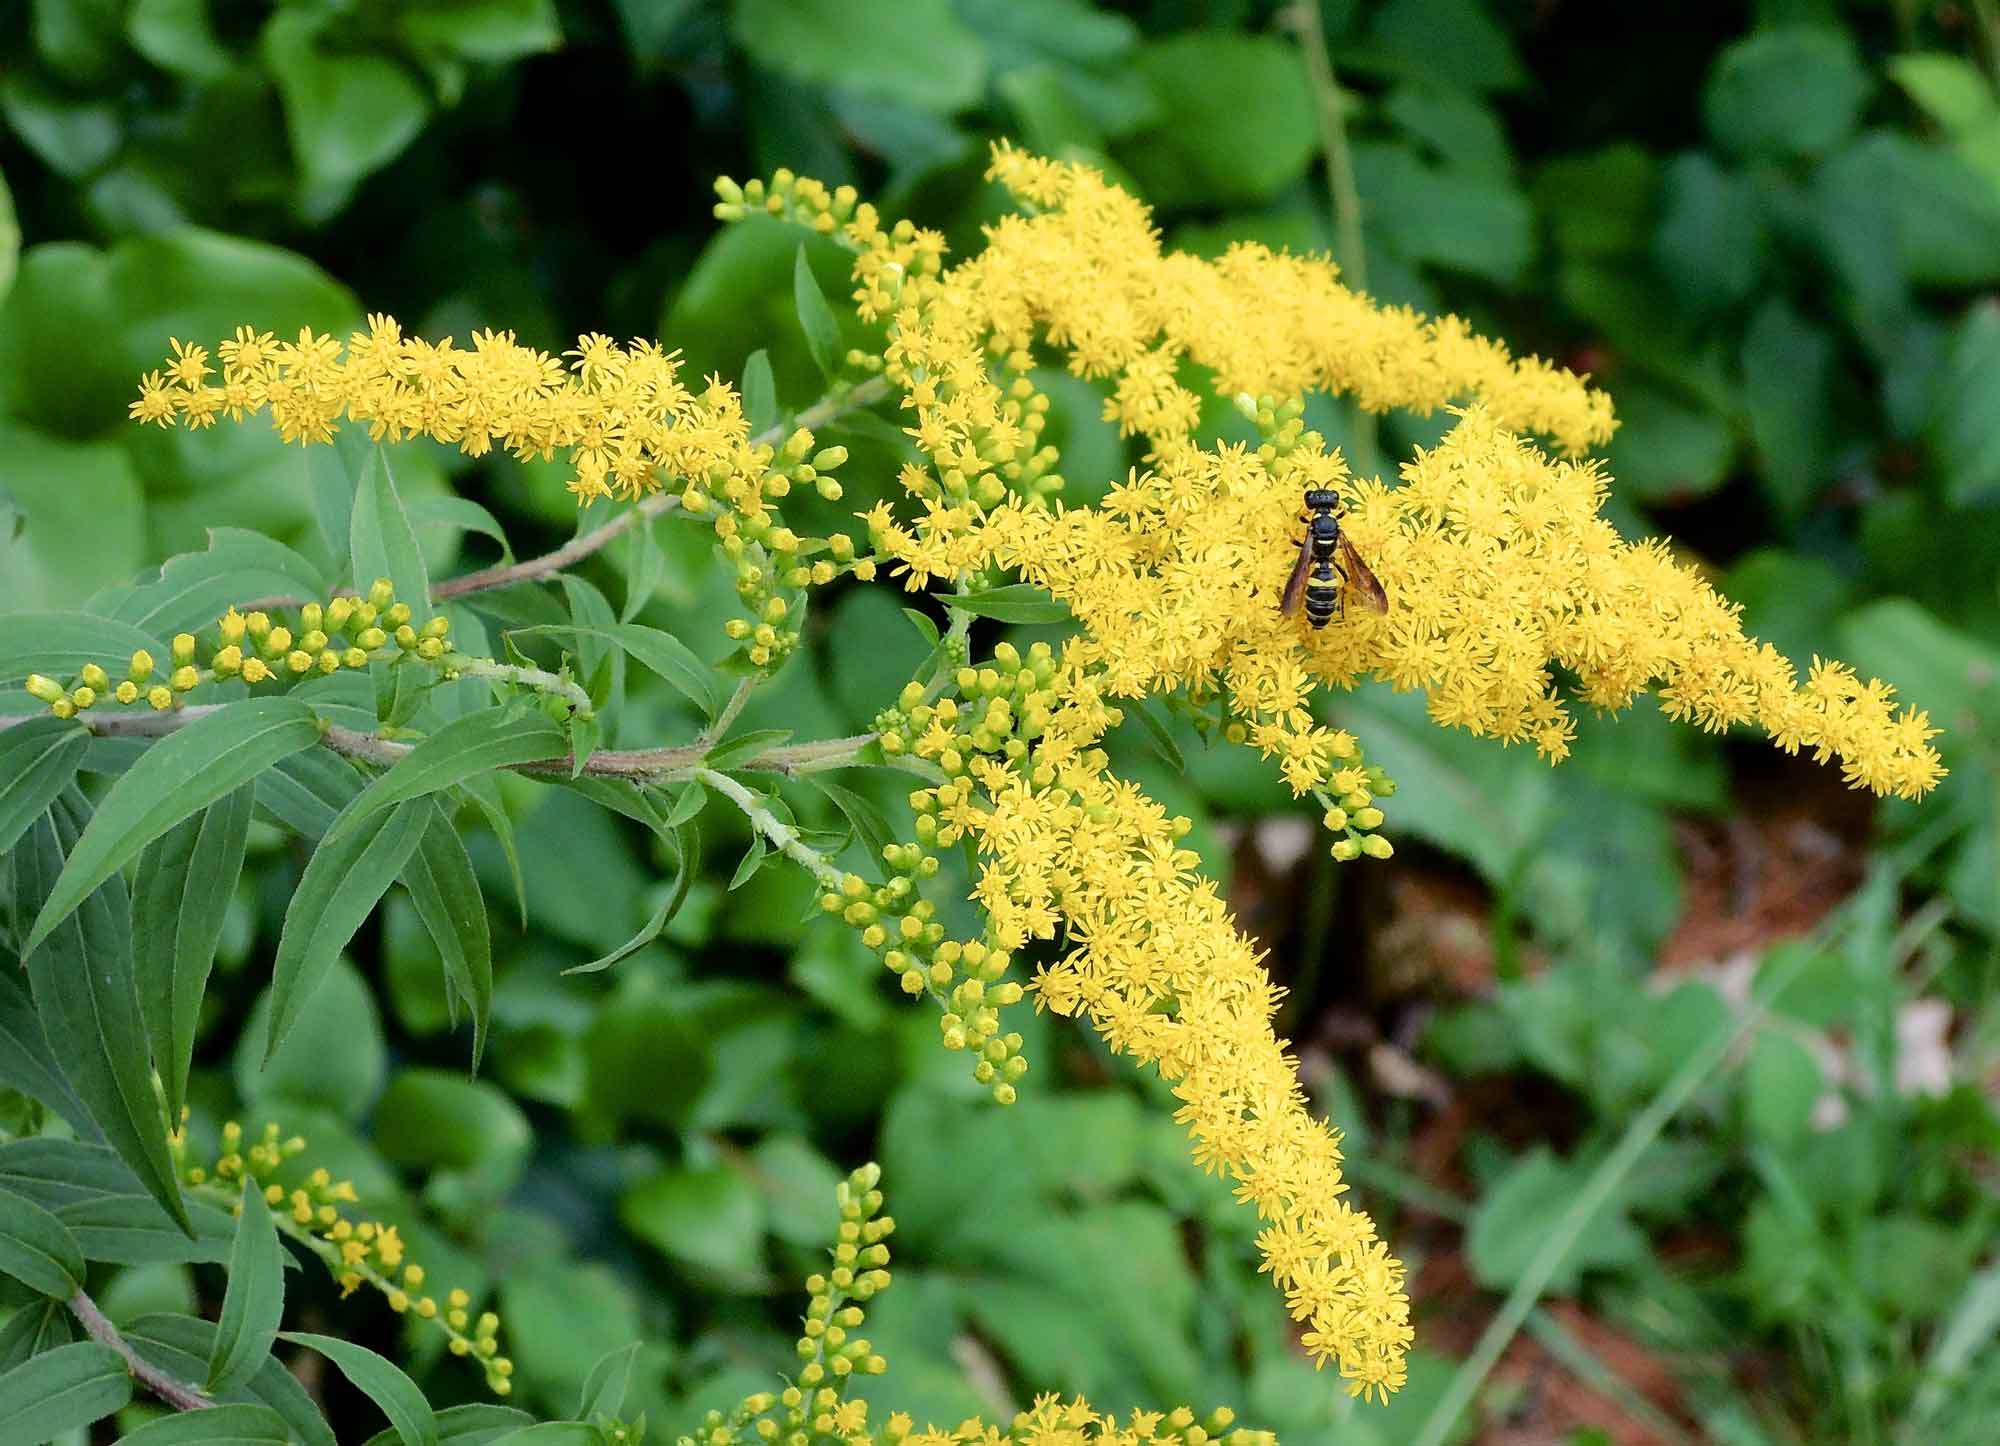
(178, 1394)
(782, 836)
(536, 678)
(714, 731)
(1342, 192)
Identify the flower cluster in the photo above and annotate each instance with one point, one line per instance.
(358, 1252)
(814, 1408)
(345, 632)
(619, 414)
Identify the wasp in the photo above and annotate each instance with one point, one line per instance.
(1328, 565)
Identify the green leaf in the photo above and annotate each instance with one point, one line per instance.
(346, 113)
(926, 628)
(464, 748)
(194, 589)
(1459, 44)
(752, 860)
(176, 36)
(479, 1424)
(37, 1249)
(381, 1381)
(553, 1433)
(180, 1345)
(253, 1305)
(816, 318)
(134, 1230)
(687, 848)
(1511, 1222)
(916, 51)
(82, 510)
(1020, 602)
(446, 892)
(1788, 364)
(604, 1388)
(646, 1059)
(180, 896)
(658, 652)
(307, 791)
(1781, 1083)
(710, 1219)
(38, 758)
(181, 774)
(1142, 712)
(457, 514)
(869, 825)
(62, 1390)
(1949, 88)
(339, 889)
(32, 1329)
(733, 752)
(1793, 90)
(760, 389)
(382, 542)
(1239, 124)
(236, 1425)
(1667, 448)
(430, 1119)
(489, 30)
(26, 1062)
(81, 980)
(1710, 242)
(645, 565)
(1964, 428)
(58, 644)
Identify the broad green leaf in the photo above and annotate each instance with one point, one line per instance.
(1019, 602)
(26, 1062)
(176, 36)
(1710, 242)
(1781, 1083)
(1459, 44)
(744, 747)
(345, 113)
(431, 1119)
(479, 1424)
(55, 1173)
(180, 894)
(58, 644)
(489, 30)
(181, 774)
(1237, 119)
(234, 1425)
(1964, 429)
(37, 760)
(253, 1306)
(191, 591)
(82, 507)
(180, 1345)
(464, 748)
(798, 1184)
(1668, 448)
(457, 514)
(917, 51)
(645, 565)
(339, 889)
(604, 1389)
(687, 847)
(132, 1229)
(710, 1219)
(1793, 90)
(382, 1382)
(37, 1249)
(446, 892)
(32, 1329)
(1950, 88)
(62, 1390)
(646, 1059)
(657, 652)
(382, 542)
(81, 980)
(816, 318)
(1788, 368)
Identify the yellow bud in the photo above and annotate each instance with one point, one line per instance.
(775, 610)
(277, 642)
(63, 708)
(437, 627)
(354, 658)
(381, 592)
(430, 649)
(1377, 847)
(1368, 817)
(48, 690)
(83, 697)
(160, 697)
(232, 626)
(142, 666)
(299, 660)
(406, 637)
(228, 662)
(737, 628)
(337, 613)
(257, 625)
(184, 679)
(398, 614)
(128, 691)
(95, 677)
(183, 649)
(372, 638)
(311, 616)
(254, 670)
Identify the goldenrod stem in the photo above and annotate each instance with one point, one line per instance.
(1342, 192)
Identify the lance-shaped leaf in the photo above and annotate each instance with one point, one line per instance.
(193, 589)
(38, 758)
(687, 847)
(446, 892)
(180, 775)
(59, 644)
(658, 652)
(61, 1390)
(479, 1424)
(180, 894)
(26, 1063)
(232, 1425)
(342, 882)
(253, 1306)
(81, 980)
(381, 541)
(464, 748)
(382, 1382)
(180, 1346)
(37, 1249)
(816, 318)
(1016, 602)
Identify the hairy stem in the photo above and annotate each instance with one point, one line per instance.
(178, 1394)
(536, 678)
(715, 731)
(780, 834)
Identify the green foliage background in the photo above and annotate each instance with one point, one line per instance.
(1773, 235)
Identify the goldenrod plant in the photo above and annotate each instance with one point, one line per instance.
(368, 709)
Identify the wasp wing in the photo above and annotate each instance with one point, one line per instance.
(1360, 580)
(1295, 586)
